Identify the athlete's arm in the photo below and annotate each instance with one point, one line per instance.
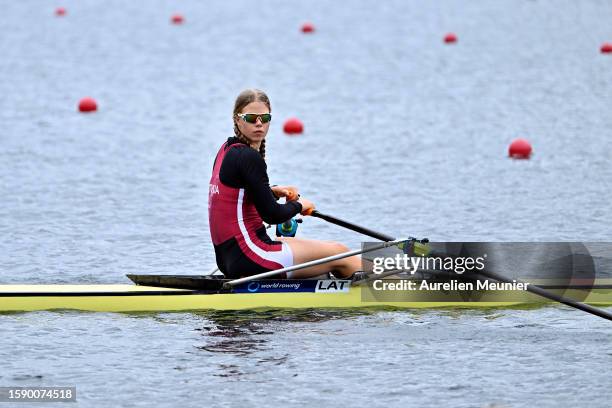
(244, 167)
(289, 192)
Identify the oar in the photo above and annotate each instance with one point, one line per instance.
(351, 226)
(491, 275)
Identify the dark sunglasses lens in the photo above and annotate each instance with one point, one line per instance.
(251, 118)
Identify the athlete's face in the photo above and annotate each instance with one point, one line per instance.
(255, 132)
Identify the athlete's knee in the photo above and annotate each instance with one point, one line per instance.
(338, 248)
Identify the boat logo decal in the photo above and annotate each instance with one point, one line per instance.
(253, 287)
(294, 286)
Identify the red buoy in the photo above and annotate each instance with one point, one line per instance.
(293, 126)
(450, 38)
(177, 19)
(520, 149)
(88, 105)
(60, 11)
(606, 48)
(308, 28)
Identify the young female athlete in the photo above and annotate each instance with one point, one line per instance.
(240, 199)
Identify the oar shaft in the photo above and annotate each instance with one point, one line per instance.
(541, 292)
(351, 226)
(530, 287)
(552, 296)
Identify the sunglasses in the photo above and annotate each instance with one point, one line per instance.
(252, 117)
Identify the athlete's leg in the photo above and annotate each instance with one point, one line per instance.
(305, 250)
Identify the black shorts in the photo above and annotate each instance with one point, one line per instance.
(235, 264)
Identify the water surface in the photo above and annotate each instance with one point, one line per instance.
(403, 134)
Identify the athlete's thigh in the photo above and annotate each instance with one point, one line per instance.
(305, 250)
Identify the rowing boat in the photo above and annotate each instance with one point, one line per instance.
(168, 293)
(165, 293)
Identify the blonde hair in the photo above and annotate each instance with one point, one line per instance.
(244, 98)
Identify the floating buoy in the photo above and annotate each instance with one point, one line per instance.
(293, 126)
(88, 105)
(606, 48)
(177, 19)
(520, 149)
(308, 28)
(60, 11)
(450, 38)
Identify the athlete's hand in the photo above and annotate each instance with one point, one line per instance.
(307, 206)
(289, 192)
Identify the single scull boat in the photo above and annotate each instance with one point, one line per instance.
(162, 293)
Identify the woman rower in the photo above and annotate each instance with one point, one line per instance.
(240, 199)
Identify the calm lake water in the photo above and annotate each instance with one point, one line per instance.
(403, 134)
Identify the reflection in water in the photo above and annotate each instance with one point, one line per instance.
(248, 335)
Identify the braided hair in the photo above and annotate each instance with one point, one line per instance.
(248, 96)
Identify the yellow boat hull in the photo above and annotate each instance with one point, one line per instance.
(131, 298)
